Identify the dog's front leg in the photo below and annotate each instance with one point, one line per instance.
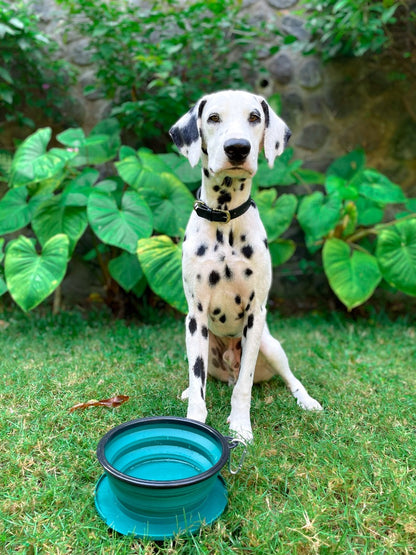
(239, 418)
(197, 351)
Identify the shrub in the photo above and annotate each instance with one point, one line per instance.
(154, 62)
(31, 81)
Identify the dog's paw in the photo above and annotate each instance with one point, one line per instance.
(241, 430)
(305, 401)
(185, 394)
(197, 412)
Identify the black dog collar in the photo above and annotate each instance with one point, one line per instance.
(223, 216)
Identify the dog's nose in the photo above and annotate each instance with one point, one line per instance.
(237, 150)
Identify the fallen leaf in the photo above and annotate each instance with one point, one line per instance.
(111, 403)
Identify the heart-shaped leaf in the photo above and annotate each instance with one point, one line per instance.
(22, 171)
(281, 250)
(277, 214)
(377, 187)
(31, 277)
(396, 253)
(16, 209)
(126, 270)
(346, 167)
(53, 217)
(121, 227)
(161, 260)
(318, 215)
(353, 276)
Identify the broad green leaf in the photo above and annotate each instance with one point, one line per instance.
(396, 253)
(121, 227)
(73, 137)
(368, 212)
(161, 260)
(130, 170)
(51, 164)
(16, 210)
(126, 270)
(282, 172)
(53, 217)
(353, 276)
(171, 203)
(377, 187)
(312, 177)
(281, 250)
(77, 191)
(342, 187)
(142, 170)
(276, 215)
(22, 170)
(318, 215)
(32, 277)
(347, 166)
(180, 166)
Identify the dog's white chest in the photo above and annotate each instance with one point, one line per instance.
(227, 270)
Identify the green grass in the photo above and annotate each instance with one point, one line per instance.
(342, 481)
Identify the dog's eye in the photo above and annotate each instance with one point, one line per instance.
(254, 117)
(214, 118)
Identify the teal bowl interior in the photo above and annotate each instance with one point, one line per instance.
(162, 465)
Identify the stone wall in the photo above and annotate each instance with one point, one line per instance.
(331, 108)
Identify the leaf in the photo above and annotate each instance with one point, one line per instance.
(341, 186)
(318, 215)
(368, 212)
(347, 166)
(54, 217)
(281, 251)
(112, 402)
(16, 209)
(396, 253)
(77, 191)
(377, 187)
(171, 203)
(161, 260)
(31, 277)
(22, 170)
(276, 215)
(121, 227)
(126, 270)
(353, 276)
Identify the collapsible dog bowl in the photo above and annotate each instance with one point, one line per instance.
(161, 476)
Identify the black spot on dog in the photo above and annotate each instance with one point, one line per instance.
(248, 272)
(240, 315)
(216, 188)
(224, 197)
(245, 331)
(247, 250)
(277, 145)
(200, 307)
(223, 319)
(266, 243)
(201, 250)
(206, 172)
(242, 186)
(220, 236)
(237, 299)
(252, 296)
(265, 107)
(288, 134)
(192, 325)
(243, 238)
(202, 392)
(250, 321)
(228, 272)
(204, 150)
(216, 311)
(198, 277)
(228, 181)
(184, 238)
(248, 307)
(204, 332)
(231, 238)
(213, 278)
(199, 369)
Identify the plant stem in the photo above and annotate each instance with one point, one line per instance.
(376, 229)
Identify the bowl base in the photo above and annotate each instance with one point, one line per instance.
(127, 523)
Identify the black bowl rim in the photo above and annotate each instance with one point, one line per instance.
(158, 484)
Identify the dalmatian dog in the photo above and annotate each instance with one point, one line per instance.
(226, 262)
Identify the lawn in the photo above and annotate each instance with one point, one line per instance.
(341, 481)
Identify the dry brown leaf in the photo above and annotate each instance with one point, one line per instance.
(111, 403)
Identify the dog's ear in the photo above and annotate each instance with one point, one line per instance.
(276, 133)
(186, 133)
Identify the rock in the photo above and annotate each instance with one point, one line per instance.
(295, 26)
(292, 108)
(282, 4)
(313, 136)
(281, 67)
(310, 74)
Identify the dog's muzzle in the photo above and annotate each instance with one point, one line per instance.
(237, 150)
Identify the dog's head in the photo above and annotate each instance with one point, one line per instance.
(230, 128)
